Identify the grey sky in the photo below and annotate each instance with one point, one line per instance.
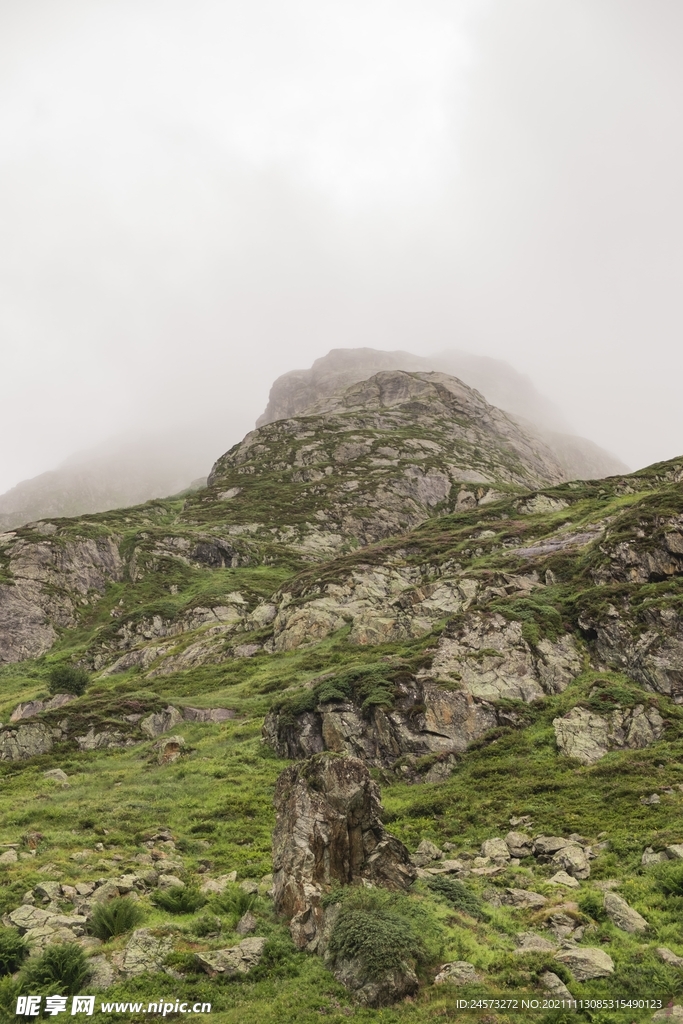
(197, 196)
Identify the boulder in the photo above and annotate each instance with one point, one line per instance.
(623, 916)
(530, 942)
(587, 736)
(669, 1012)
(102, 974)
(105, 740)
(170, 882)
(215, 886)
(674, 852)
(375, 992)
(546, 846)
(554, 986)
(574, 861)
(523, 898)
(650, 857)
(459, 972)
(207, 714)
(496, 849)
(57, 775)
(34, 707)
(26, 741)
(519, 844)
(669, 957)
(235, 960)
(329, 831)
(246, 924)
(157, 724)
(9, 857)
(144, 952)
(586, 962)
(426, 853)
(562, 878)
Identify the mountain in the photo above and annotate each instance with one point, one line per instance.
(394, 590)
(295, 392)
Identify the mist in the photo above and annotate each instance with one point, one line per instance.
(195, 198)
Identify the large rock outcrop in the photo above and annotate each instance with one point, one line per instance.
(329, 831)
(587, 736)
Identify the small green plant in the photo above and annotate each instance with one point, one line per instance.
(68, 679)
(459, 896)
(115, 917)
(592, 903)
(670, 880)
(179, 899)
(207, 924)
(13, 951)
(233, 902)
(63, 969)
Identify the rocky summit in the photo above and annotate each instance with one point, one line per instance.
(389, 714)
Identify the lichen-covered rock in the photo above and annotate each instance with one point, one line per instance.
(574, 860)
(586, 962)
(458, 972)
(519, 844)
(496, 849)
(144, 952)
(587, 736)
(235, 960)
(622, 915)
(372, 991)
(104, 740)
(35, 707)
(328, 830)
(157, 724)
(26, 741)
(523, 898)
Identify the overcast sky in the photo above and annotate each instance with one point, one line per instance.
(198, 195)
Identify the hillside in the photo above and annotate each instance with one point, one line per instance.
(404, 578)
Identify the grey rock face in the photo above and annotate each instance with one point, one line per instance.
(26, 741)
(586, 962)
(458, 972)
(587, 736)
(574, 861)
(555, 986)
(144, 952)
(103, 740)
(235, 960)
(623, 916)
(328, 829)
(523, 898)
(34, 707)
(164, 721)
(375, 992)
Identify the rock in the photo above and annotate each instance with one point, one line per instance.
(496, 849)
(519, 844)
(246, 924)
(25, 741)
(26, 916)
(669, 1012)
(108, 890)
(375, 992)
(587, 736)
(9, 857)
(545, 846)
(218, 885)
(650, 857)
(235, 960)
(169, 749)
(57, 775)
(669, 957)
(329, 830)
(170, 882)
(523, 898)
(574, 861)
(530, 942)
(459, 972)
(249, 886)
(48, 890)
(144, 952)
(674, 852)
(623, 916)
(102, 974)
(586, 962)
(426, 853)
(105, 740)
(653, 799)
(34, 707)
(554, 986)
(562, 878)
(157, 724)
(207, 714)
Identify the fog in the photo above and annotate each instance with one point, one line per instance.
(198, 196)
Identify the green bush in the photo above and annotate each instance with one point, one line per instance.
(459, 896)
(670, 879)
(207, 924)
(63, 969)
(233, 902)
(13, 951)
(381, 929)
(115, 917)
(592, 903)
(180, 899)
(68, 679)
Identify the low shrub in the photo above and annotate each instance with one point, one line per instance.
(592, 903)
(115, 917)
(63, 969)
(207, 924)
(459, 896)
(670, 879)
(68, 679)
(233, 902)
(180, 899)
(13, 951)
(385, 931)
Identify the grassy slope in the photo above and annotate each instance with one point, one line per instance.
(220, 792)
